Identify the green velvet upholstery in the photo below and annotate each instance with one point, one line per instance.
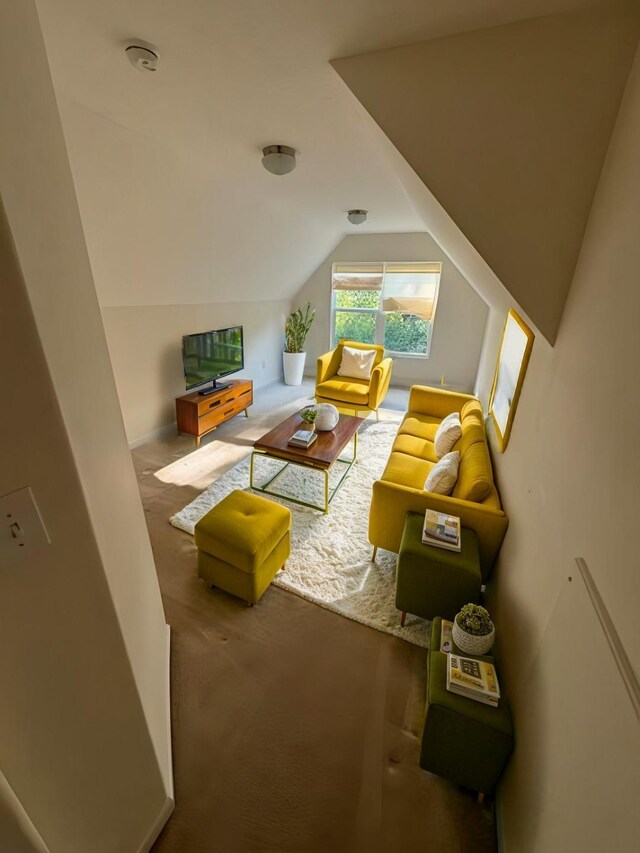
(242, 542)
(433, 581)
(462, 740)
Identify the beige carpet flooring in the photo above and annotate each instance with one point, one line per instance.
(295, 730)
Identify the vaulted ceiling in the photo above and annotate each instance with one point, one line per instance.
(175, 203)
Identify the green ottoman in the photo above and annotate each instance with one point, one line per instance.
(242, 542)
(433, 581)
(462, 740)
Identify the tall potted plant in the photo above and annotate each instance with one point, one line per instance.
(296, 330)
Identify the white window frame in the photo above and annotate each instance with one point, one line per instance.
(379, 335)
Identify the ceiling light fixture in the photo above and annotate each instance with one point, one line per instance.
(357, 217)
(279, 159)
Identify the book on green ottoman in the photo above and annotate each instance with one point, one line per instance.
(432, 581)
(463, 740)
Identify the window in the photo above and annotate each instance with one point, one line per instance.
(393, 304)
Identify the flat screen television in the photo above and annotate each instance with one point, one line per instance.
(207, 356)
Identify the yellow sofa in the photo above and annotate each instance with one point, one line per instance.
(400, 490)
(353, 395)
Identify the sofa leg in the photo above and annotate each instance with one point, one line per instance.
(249, 603)
(284, 568)
(375, 551)
(402, 618)
(377, 415)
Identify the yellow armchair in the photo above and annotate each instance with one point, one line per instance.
(350, 394)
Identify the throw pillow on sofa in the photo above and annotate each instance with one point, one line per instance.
(356, 363)
(442, 477)
(447, 434)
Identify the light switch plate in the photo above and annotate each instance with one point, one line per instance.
(20, 508)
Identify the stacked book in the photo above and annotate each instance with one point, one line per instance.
(475, 679)
(302, 438)
(441, 530)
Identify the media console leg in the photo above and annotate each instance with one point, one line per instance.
(246, 412)
(197, 441)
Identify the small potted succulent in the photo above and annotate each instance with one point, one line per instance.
(473, 631)
(309, 416)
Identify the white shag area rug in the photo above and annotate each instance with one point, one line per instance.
(330, 562)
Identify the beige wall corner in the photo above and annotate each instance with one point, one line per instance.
(86, 630)
(508, 128)
(571, 492)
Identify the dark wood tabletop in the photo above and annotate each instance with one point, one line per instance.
(322, 453)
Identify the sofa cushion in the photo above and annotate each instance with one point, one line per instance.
(472, 433)
(472, 410)
(422, 426)
(421, 448)
(474, 477)
(447, 434)
(442, 477)
(344, 390)
(405, 470)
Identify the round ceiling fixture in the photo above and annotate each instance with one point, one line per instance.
(279, 159)
(357, 217)
(142, 56)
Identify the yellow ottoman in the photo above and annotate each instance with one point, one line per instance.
(242, 542)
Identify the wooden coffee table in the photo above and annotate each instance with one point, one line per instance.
(321, 456)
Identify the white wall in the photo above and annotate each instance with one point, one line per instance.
(461, 314)
(92, 718)
(145, 346)
(569, 482)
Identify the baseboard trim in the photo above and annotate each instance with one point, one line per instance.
(169, 780)
(159, 432)
(169, 803)
(157, 826)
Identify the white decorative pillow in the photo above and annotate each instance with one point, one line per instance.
(447, 434)
(442, 477)
(357, 363)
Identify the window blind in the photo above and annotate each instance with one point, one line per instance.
(411, 288)
(357, 276)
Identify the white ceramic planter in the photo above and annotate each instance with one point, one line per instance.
(293, 363)
(471, 644)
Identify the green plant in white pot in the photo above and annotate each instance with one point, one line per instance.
(296, 330)
(473, 631)
(309, 416)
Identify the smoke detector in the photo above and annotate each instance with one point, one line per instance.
(142, 56)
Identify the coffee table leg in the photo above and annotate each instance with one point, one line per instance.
(326, 491)
(355, 447)
(251, 470)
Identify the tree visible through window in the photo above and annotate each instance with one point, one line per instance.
(392, 304)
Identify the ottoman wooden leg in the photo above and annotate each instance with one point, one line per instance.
(373, 556)
(402, 618)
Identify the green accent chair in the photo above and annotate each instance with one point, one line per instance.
(433, 581)
(242, 543)
(463, 740)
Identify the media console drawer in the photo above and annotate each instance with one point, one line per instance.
(197, 415)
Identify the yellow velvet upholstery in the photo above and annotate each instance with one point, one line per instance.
(354, 395)
(242, 542)
(400, 490)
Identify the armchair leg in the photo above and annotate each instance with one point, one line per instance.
(373, 556)
(377, 415)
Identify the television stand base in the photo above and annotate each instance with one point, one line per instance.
(217, 386)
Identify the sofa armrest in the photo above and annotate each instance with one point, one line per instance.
(390, 504)
(327, 365)
(379, 383)
(436, 402)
